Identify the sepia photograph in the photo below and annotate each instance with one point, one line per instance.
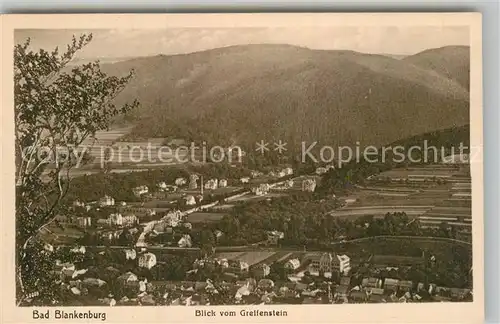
(252, 166)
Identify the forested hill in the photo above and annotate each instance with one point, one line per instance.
(242, 94)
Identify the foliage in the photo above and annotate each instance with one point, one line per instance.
(56, 108)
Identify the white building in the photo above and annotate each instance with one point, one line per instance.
(185, 241)
(116, 219)
(292, 264)
(193, 184)
(222, 183)
(211, 184)
(255, 174)
(262, 189)
(190, 200)
(130, 220)
(161, 186)
(309, 185)
(344, 264)
(130, 254)
(147, 260)
(180, 182)
(140, 190)
(78, 203)
(106, 201)
(288, 171)
(83, 221)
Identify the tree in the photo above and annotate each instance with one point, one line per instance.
(57, 107)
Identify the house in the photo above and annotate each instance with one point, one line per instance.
(130, 254)
(193, 184)
(127, 278)
(130, 220)
(161, 186)
(237, 266)
(309, 185)
(147, 260)
(222, 183)
(218, 234)
(79, 250)
(242, 291)
(245, 180)
(273, 237)
(344, 264)
(190, 200)
(211, 184)
(292, 264)
(78, 203)
(391, 284)
(281, 174)
(185, 241)
(255, 174)
(116, 219)
(140, 190)
(288, 171)
(180, 182)
(262, 189)
(106, 201)
(83, 222)
(321, 262)
(167, 222)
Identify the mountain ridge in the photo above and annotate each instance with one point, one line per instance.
(245, 93)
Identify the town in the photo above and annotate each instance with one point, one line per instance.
(200, 240)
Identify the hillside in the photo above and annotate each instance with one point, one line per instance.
(242, 94)
(452, 62)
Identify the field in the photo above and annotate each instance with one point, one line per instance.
(431, 201)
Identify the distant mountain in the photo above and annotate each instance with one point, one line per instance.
(452, 62)
(244, 94)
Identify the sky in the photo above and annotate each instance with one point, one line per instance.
(121, 43)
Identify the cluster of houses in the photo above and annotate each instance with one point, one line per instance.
(261, 190)
(213, 184)
(288, 171)
(243, 283)
(118, 220)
